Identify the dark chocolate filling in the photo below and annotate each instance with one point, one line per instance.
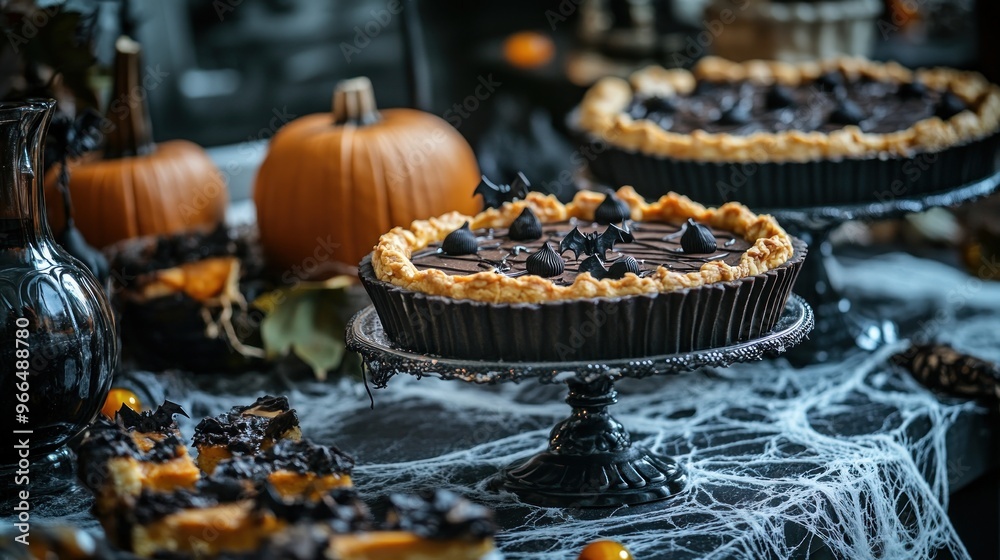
(824, 105)
(655, 244)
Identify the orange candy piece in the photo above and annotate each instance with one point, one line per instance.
(605, 550)
(117, 398)
(528, 49)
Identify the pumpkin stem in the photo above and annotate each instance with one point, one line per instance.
(131, 133)
(354, 102)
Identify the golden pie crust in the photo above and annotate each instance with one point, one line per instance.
(602, 114)
(770, 247)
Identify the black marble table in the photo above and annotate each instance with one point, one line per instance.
(847, 459)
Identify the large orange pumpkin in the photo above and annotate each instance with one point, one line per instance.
(331, 184)
(138, 188)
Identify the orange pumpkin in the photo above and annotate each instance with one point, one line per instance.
(332, 184)
(138, 188)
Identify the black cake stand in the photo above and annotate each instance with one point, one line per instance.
(590, 460)
(838, 326)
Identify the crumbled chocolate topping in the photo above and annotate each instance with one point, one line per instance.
(297, 456)
(341, 508)
(243, 433)
(267, 403)
(165, 450)
(440, 514)
(151, 506)
(104, 441)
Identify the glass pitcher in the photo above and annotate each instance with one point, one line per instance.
(58, 343)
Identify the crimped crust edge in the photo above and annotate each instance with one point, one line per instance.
(602, 116)
(771, 247)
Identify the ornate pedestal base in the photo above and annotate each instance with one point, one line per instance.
(591, 461)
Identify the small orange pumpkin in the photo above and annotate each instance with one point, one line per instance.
(332, 184)
(138, 188)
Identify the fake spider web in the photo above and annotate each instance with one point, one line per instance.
(845, 460)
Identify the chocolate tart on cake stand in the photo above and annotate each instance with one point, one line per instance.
(663, 306)
(590, 460)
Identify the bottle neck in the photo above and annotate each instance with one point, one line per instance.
(22, 203)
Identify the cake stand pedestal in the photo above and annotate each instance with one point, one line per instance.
(590, 460)
(838, 326)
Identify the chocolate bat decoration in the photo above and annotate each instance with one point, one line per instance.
(941, 367)
(155, 421)
(495, 195)
(623, 233)
(594, 243)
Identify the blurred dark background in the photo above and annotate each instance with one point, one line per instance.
(230, 72)
(233, 62)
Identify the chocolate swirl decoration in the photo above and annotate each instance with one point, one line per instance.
(650, 244)
(697, 238)
(612, 210)
(526, 226)
(545, 262)
(460, 242)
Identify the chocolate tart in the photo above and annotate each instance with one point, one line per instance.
(781, 135)
(651, 290)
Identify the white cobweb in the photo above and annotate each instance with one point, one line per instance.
(847, 460)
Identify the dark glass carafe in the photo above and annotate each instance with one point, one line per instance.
(58, 343)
